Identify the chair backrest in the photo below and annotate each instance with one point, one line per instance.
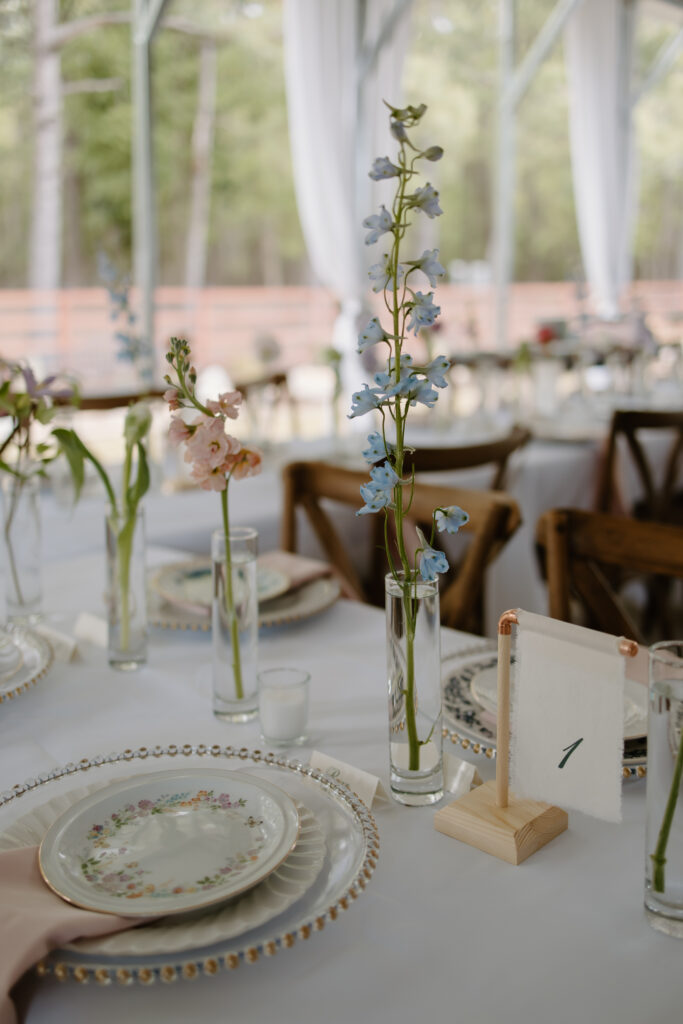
(496, 453)
(274, 385)
(659, 503)
(588, 556)
(494, 517)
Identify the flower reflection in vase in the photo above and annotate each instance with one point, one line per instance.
(412, 598)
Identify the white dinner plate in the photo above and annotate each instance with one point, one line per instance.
(188, 585)
(27, 657)
(300, 603)
(169, 842)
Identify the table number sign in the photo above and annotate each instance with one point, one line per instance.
(363, 784)
(567, 733)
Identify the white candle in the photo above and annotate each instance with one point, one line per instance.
(283, 704)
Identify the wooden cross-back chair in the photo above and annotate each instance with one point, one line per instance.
(663, 504)
(275, 384)
(494, 517)
(583, 555)
(496, 453)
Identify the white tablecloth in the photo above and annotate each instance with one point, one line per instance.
(442, 932)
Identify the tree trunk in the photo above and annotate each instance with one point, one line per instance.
(46, 228)
(202, 147)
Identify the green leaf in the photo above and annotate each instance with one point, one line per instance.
(76, 453)
(139, 488)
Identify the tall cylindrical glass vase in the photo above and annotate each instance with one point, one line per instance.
(21, 544)
(664, 838)
(127, 597)
(414, 689)
(235, 624)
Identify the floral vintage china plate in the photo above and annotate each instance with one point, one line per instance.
(187, 585)
(469, 708)
(178, 932)
(168, 843)
(352, 849)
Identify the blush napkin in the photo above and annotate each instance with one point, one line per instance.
(34, 921)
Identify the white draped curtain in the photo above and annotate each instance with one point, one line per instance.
(337, 125)
(599, 51)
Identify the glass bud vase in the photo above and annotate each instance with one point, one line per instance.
(664, 833)
(21, 543)
(414, 682)
(234, 624)
(126, 591)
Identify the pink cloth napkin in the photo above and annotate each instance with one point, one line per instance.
(301, 569)
(33, 921)
(297, 568)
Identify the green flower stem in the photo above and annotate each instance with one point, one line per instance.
(14, 501)
(124, 553)
(230, 601)
(659, 856)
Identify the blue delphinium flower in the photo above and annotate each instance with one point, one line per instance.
(429, 264)
(370, 335)
(424, 393)
(436, 370)
(363, 401)
(378, 493)
(384, 476)
(423, 312)
(431, 560)
(383, 168)
(375, 499)
(451, 519)
(377, 449)
(378, 224)
(427, 200)
(382, 274)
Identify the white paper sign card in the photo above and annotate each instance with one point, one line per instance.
(567, 714)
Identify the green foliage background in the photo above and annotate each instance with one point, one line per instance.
(254, 234)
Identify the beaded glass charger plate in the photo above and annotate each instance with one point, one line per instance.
(470, 698)
(168, 842)
(351, 852)
(188, 586)
(301, 603)
(25, 657)
(178, 932)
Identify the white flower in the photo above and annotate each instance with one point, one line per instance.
(383, 168)
(423, 311)
(373, 333)
(429, 264)
(427, 200)
(381, 274)
(378, 224)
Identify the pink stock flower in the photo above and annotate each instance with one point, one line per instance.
(210, 478)
(245, 463)
(210, 443)
(171, 396)
(179, 431)
(227, 404)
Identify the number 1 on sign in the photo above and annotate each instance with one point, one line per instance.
(570, 750)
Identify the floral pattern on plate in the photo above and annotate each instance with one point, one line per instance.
(129, 882)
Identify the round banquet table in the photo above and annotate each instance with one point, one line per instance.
(443, 931)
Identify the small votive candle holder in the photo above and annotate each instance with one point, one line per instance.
(283, 706)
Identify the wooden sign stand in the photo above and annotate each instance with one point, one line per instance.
(490, 817)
